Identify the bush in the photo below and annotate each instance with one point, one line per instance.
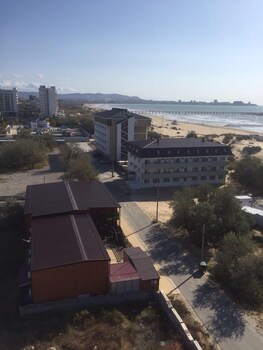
(191, 133)
(251, 150)
(227, 138)
(22, 154)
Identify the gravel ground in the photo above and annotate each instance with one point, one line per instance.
(13, 184)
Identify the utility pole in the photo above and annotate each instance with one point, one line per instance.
(112, 169)
(203, 242)
(157, 204)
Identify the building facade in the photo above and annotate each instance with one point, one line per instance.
(114, 128)
(48, 101)
(8, 101)
(177, 162)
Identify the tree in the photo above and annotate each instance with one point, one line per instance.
(81, 169)
(249, 172)
(21, 154)
(191, 133)
(69, 152)
(219, 211)
(240, 268)
(182, 204)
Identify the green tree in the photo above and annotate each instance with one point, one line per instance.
(191, 133)
(249, 172)
(182, 204)
(21, 154)
(240, 268)
(69, 152)
(81, 168)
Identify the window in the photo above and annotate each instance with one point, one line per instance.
(195, 169)
(166, 171)
(176, 179)
(204, 168)
(177, 160)
(146, 181)
(212, 177)
(167, 161)
(204, 159)
(146, 171)
(222, 158)
(194, 178)
(166, 179)
(156, 181)
(203, 178)
(185, 179)
(212, 168)
(156, 161)
(220, 177)
(147, 161)
(196, 160)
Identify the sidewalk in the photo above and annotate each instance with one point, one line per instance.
(165, 284)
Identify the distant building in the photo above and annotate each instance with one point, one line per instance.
(177, 162)
(48, 101)
(8, 101)
(244, 201)
(40, 125)
(112, 130)
(257, 214)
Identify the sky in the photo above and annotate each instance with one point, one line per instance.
(154, 49)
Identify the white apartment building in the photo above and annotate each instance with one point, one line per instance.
(48, 101)
(8, 101)
(177, 162)
(113, 128)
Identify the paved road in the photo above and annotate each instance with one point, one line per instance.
(217, 312)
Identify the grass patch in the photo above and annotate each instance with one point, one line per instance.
(133, 326)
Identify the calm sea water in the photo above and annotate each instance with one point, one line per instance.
(238, 117)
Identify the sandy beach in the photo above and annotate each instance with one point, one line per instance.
(181, 129)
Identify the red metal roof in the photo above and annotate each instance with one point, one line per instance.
(123, 271)
(65, 239)
(67, 197)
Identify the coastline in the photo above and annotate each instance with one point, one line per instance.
(168, 128)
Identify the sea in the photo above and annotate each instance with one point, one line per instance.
(246, 117)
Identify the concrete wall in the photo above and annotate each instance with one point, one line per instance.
(177, 321)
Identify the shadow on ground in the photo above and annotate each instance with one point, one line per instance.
(169, 250)
(227, 320)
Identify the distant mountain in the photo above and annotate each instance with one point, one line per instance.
(101, 98)
(90, 97)
(118, 98)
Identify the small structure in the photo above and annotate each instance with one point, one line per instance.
(124, 278)
(149, 278)
(244, 201)
(257, 215)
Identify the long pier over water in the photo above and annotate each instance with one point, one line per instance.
(196, 113)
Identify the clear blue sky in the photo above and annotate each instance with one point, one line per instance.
(158, 49)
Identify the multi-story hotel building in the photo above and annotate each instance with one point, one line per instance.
(112, 130)
(48, 101)
(8, 101)
(177, 162)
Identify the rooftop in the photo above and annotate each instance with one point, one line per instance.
(142, 263)
(177, 147)
(67, 197)
(119, 114)
(123, 271)
(63, 240)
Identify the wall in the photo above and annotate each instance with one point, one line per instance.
(66, 282)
